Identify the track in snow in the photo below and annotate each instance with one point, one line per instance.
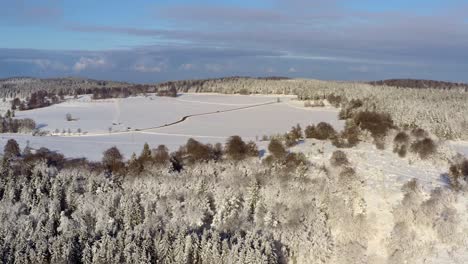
(184, 118)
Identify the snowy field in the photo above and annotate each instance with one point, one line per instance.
(127, 123)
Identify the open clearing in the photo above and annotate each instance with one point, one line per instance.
(129, 123)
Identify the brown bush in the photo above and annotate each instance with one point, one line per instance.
(252, 149)
(338, 158)
(290, 140)
(458, 170)
(402, 151)
(293, 136)
(293, 160)
(400, 144)
(236, 148)
(296, 132)
(161, 155)
(424, 147)
(401, 138)
(196, 151)
(217, 151)
(277, 149)
(310, 132)
(377, 124)
(322, 131)
(113, 159)
(268, 160)
(339, 142)
(419, 133)
(351, 134)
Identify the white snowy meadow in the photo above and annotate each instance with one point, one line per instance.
(114, 122)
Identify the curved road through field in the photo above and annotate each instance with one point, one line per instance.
(184, 118)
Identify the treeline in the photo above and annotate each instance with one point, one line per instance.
(37, 99)
(421, 84)
(24, 87)
(44, 98)
(12, 125)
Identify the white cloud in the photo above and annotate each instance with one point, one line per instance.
(43, 64)
(85, 63)
(147, 69)
(270, 70)
(292, 69)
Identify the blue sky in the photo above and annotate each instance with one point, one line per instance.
(149, 40)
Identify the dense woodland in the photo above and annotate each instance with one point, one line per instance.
(414, 83)
(213, 204)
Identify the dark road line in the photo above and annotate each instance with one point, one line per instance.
(202, 114)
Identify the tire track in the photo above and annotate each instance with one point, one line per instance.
(207, 113)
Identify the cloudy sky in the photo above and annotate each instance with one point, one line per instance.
(157, 40)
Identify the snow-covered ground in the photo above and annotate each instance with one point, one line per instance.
(460, 147)
(383, 175)
(125, 116)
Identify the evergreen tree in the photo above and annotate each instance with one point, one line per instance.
(11, 149)
(145, 153)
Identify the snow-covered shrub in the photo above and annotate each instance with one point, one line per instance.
(338, 158)
(349, 110)
(349, 137)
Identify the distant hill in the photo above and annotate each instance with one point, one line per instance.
(415, 83)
